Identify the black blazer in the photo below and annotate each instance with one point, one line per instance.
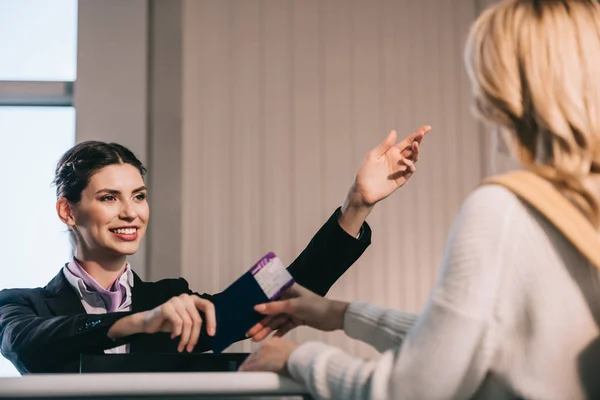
(44, 330)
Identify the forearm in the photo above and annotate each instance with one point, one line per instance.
(36, 344)
(407, 372)
(127, 326)
(328, 255)
(381, 327)
(329, 373)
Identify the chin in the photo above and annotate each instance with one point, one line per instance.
(126, 250)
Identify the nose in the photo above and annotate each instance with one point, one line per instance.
(128, 212)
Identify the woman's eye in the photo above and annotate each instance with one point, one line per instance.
(108, 198)
(141, 196)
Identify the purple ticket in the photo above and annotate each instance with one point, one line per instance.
(272, 276)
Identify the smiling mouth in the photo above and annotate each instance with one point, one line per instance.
(126, 234)
(124, 231)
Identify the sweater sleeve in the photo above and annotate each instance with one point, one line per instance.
(381, 327)
(448, 351)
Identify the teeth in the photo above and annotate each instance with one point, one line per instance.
(128, 231)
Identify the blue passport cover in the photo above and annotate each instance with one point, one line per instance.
(234, 307)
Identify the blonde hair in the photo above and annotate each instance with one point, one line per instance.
(534, 66)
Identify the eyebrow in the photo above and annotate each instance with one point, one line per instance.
(113, 191)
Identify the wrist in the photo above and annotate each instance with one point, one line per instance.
(338, 313)
(354, 198)
(137, 322)
(127, 326)
(354, 212)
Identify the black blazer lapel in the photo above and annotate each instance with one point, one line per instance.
(139, 302)
(144, 297)
(140, 298)
(61, 298)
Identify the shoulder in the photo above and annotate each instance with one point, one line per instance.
(490, 221)
(493, 207)
(491, 199)
(481, 249)
(19, 296)
(30, 296)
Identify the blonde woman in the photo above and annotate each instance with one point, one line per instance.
(516, 310)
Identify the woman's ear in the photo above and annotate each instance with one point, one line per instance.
(65, 211)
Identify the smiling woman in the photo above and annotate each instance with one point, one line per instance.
(97, 304)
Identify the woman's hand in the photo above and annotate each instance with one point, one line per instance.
(179, 316)
(387, 167)
(384, 169)
(299, 307)
(272, 356)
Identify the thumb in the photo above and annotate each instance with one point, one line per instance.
(387, 143)
(274, 308)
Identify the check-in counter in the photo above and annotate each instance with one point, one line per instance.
(179, 385)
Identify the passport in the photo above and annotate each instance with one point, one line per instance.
(234, 307)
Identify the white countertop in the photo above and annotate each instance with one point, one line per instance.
(155, 384)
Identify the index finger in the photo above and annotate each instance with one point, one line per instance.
(421, 133)
(274, 307)
(417, 136)
(274, 324)
(209, 314)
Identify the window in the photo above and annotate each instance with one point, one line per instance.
(38, 40)
(38, 45)
(33, 138)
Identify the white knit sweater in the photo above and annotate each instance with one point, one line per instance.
(515, 313)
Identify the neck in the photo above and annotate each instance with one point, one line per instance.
(105, 270)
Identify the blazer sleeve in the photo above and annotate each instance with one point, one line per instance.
(35, 344)
(328, 255)
(324, 260)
